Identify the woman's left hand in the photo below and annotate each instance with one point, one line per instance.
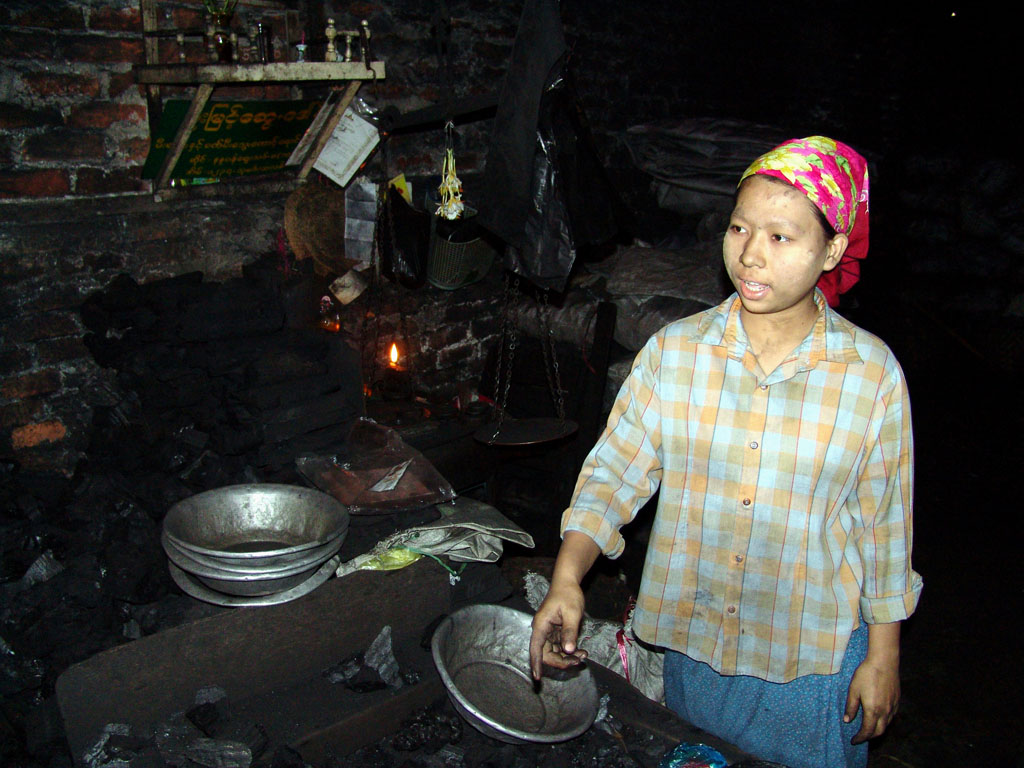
(875, 687)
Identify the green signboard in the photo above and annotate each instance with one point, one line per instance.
(232, 138)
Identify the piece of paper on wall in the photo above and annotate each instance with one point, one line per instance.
(349, 145)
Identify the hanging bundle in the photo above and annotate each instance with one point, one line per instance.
(451, 188)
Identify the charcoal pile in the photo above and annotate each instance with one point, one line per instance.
(209, 384)
(436, 737)
(234, 374)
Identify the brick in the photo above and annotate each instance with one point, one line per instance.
(65, 145)
(29, 385)
(101, 49)
(19, 413)
(133, 152)
(17, 44)
(186, 18)
(6, 151)
(123, 82)
(95, 181)
(31, 435)
(103, 114)
(14, 116)
(61, 351)
(33, 326)
(47, 16)
(18, 267)
(51, 182)
(116, 19)
(14, 358)
(62, 84)
(452, 356)
(106, 261)
(363, 10)
(59, 301)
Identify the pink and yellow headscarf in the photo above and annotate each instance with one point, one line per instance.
(835, 178)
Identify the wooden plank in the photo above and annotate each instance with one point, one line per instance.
(202, 95)
(276, 72)
(247, 652)
(151, 47)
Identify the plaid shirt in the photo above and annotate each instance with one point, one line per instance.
(784, 510)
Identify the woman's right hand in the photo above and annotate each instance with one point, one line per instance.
(556, 628)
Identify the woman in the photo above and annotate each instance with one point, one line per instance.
(779, 434)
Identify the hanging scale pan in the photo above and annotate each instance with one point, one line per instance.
(525, 431)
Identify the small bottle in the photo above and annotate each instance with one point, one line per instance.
(265, 42)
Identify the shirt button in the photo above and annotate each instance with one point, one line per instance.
(739, 558)
(764, 386)
(731, 609)
(753, 444)
(746, 502)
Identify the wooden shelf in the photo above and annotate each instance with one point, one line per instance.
(257, 74)
(206, 77)
(340, 75)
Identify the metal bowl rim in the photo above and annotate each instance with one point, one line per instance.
(251, 587)
(252, 488)
(453, 690)
(205, 571)
(230, 565)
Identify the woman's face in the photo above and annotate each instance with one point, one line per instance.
(775, 248)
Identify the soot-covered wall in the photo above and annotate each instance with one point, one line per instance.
(74, 212)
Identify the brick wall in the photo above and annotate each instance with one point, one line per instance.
(74, 212)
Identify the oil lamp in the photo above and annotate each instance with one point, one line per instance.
(396, 384)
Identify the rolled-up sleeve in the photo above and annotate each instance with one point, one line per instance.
(891, 588)
(623, 469)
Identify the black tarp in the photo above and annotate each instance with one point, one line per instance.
(544, 190)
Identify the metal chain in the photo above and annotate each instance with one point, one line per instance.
(508, 330)
(547, 343)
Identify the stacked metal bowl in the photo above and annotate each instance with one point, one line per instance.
(255, 544)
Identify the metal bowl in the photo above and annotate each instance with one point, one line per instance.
(254, 540)
(256, 587)
(280, 565)
(250, 581)
(259, 524)
(482, 655)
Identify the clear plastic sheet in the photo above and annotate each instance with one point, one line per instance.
(376, 473)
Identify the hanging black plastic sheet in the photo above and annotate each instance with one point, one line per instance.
(545, 192)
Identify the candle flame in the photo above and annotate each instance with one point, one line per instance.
(393, 354)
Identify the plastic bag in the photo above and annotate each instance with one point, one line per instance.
(693, 756)
(611, 644)
(376, 472)
(468, 531)
(403, 237)
(546, 192)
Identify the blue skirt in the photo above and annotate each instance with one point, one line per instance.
(799, 723)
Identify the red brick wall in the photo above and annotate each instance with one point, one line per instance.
(74, 211)
(73, 122)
